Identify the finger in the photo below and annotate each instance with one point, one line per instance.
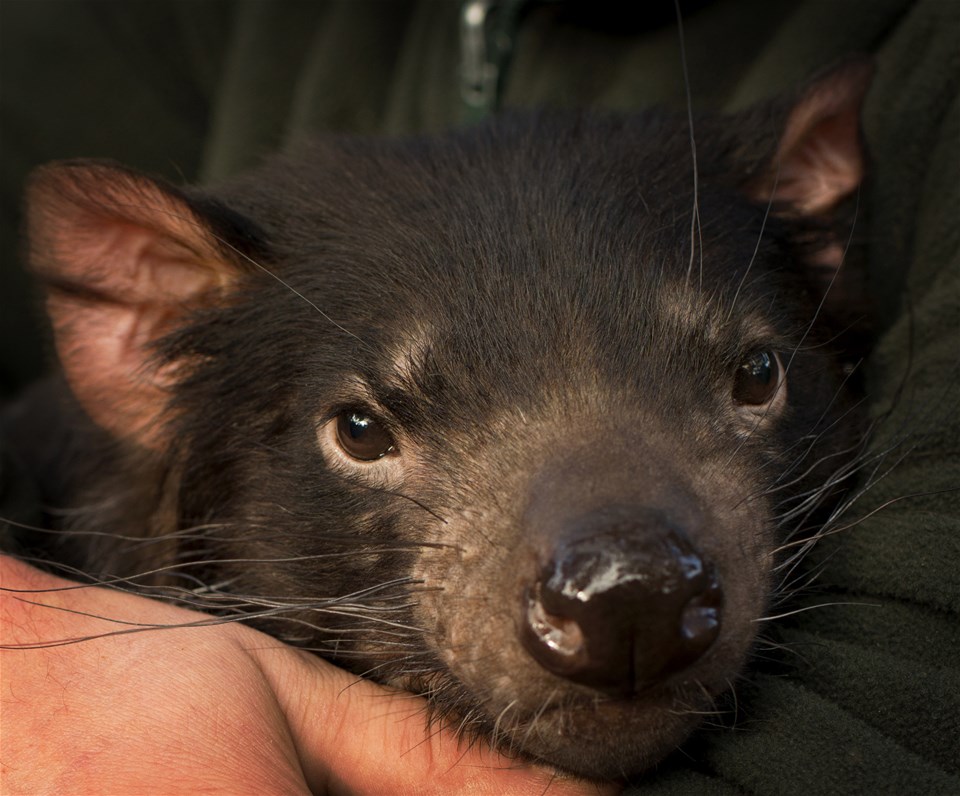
(354, 736)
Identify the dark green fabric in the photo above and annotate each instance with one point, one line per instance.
(866, 696)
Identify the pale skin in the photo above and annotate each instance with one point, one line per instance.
(215, 709)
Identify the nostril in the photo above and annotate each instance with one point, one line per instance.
(561, 635)
(700, 622)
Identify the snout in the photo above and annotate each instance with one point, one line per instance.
(621, 601)
(604, 592)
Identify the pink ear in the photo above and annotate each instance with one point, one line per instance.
(124, 259)
(819, 160)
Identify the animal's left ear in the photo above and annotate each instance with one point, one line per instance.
(819, 160)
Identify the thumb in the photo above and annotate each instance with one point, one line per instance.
(356, 737)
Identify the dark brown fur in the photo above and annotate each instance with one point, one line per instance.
(529, 312)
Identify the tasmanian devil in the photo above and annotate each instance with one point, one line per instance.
(530, 418)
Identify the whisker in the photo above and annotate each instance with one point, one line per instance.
(547, 702)
(756, 248)
(811, 608)
(696, 233)
(833, 279)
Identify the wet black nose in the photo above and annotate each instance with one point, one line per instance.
(623, 607)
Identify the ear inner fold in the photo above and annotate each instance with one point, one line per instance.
(125, 260)
(819, 160)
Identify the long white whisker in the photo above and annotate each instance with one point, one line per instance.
(696, 234)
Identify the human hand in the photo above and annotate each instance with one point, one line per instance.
(218, 708)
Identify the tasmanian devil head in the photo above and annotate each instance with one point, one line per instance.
(516, 418)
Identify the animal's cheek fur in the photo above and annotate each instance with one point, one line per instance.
(473, 597)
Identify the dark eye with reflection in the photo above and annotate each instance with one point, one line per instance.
(757, 378)
(362, 437)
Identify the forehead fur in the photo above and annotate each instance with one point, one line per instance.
(505, 260)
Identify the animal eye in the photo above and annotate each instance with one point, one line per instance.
(757, 378)
(362, 437)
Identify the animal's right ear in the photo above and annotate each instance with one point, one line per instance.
(124, 259)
